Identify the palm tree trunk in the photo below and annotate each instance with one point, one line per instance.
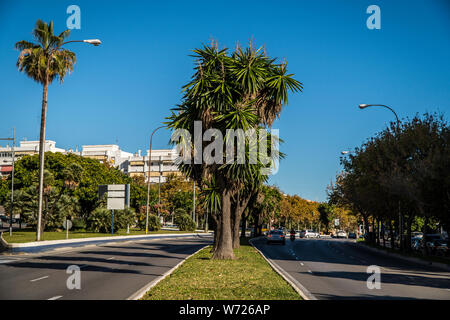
(41, 157)
(224, 248)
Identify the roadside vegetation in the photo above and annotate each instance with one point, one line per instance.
(247, 277)
(398, 183)
(23, 236)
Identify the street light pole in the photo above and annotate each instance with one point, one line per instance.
(148, 182)
(94, 42)
(193, 204)
(400, 216)
(12, 184)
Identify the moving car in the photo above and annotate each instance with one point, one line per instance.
(276, 236)
(309, 234)
(341, 234)
(352, 235)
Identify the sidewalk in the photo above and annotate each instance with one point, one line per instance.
(34, 247)
(404, 257)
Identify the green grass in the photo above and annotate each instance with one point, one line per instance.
(248, 277)
(30, 235)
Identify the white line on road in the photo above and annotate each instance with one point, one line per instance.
(6, 261)
(44, 277)
(55, 298)
(110, 258)
(302, 263)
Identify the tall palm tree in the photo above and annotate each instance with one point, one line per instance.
(44, 61)
(243, 90)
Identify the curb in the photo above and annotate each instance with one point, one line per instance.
(141, 292)
(36, 247)
(410, 259)
(298, 287)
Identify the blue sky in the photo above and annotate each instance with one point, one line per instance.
(121, 90)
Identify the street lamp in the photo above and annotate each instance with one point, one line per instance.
(400, 216)
(148, 182)
(364, 106)
(94, 42)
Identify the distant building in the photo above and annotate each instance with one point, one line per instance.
(24, 148)
(162, 165)
(107, 153)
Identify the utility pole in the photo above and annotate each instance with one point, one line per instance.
(193, 204)
(12, 183)
(149, 176)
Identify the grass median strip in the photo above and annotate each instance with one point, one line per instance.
(30, 236)
(248, 277)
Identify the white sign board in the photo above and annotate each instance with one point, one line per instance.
(336, 222)
(116, 204)
(118, 195)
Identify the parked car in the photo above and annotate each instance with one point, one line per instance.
(428, 242)
(352, 235)
(417, 234)
(441, 247)
(276, 236)
(341, 234)
(415, 243)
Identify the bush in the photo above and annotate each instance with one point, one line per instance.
(154, 223)
(101, 218)
(179, 212)
(184, 222)
(78, 224)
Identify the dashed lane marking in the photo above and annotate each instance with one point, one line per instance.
(44, 277)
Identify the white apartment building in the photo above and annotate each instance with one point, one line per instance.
(107, 153)
(24, 148)
(162, 165)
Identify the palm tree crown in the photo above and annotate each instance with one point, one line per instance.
(33, 58)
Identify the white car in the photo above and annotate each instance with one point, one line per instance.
(308, 234)
(341, 234)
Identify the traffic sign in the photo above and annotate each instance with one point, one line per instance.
(67, 224)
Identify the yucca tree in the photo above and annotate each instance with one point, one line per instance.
(245, 90)
(44, 61)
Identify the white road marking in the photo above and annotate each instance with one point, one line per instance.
(55, 298)
(110, 258)
(44, 277)
(302, 263)
(309, 271)
(6, 261)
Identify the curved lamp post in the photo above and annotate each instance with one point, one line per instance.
(95, 42)
(148, 182)
(364, 106)
(400, 216)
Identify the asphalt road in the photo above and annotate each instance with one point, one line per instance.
(337, 269)
(108, 271)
